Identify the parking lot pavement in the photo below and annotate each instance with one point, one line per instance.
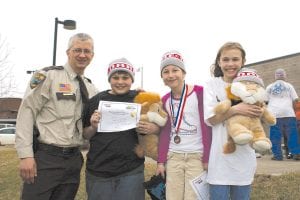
(267, 166)
(272, 167)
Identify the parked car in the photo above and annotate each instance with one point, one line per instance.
(6, 125)
(7, 135)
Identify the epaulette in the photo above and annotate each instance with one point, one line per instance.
(40, 75)
(89, 80)
(53, 68)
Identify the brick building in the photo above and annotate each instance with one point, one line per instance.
(9, 108)
(290, 63)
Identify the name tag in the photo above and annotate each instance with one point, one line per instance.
(65, 96)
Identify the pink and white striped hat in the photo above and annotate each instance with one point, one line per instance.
(248, 74)
(121, 64)
(172, 58)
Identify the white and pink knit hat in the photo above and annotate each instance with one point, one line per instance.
(121, 64)
(172, 58)
(248, 74)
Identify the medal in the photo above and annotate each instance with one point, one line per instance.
(178, 117)
(177, 139)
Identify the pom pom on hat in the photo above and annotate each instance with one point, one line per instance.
(172, 58)
(280, 74)
(121, 64)
(248, 74)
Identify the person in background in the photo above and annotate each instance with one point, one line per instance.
(229, 175)
(52, 107)
(288, 154)
(113, 170)
(184, 142)
(297, 112)
(282, 98)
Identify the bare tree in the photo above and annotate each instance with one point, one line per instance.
(8, 86)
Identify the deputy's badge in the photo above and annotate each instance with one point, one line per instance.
(36, 79)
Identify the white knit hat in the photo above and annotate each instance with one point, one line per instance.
(172, 58)
(121, 64)
(248, 74)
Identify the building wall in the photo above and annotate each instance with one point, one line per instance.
(290, 63)
(9, 107)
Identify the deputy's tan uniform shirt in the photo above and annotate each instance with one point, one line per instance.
(55, 106)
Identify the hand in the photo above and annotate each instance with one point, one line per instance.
(205, 166)
(147, 128)
(160, 169)
(247, 110)
(95, 119)
(28, 170)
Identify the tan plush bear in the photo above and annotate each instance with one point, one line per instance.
(248, 88)
(152, 112)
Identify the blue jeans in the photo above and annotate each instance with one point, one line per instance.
(127, 186)
(289, 126)
(232, 192)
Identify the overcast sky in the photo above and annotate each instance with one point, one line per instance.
(143, 30)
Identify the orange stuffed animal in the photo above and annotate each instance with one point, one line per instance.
(152, 112)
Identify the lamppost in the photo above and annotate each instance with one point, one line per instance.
(69, 25)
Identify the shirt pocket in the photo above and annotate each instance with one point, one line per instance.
(66, 108)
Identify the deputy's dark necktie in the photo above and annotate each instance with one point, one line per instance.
(83, 91)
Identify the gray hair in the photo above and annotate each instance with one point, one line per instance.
(81, 37)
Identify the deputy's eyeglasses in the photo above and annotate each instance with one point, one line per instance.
(84, 51)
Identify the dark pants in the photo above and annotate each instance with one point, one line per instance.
(128, 186)
(58, 177)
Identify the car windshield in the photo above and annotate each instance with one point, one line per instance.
(10, 130)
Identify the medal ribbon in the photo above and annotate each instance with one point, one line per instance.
(179, 113)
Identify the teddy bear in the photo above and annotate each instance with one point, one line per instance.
(151, 111)
(248, 88)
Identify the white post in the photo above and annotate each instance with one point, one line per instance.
(142, 74)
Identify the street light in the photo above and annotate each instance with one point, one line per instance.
(30, 71)
(69, 25)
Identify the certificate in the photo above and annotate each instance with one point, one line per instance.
(201, 187)
(118, 116)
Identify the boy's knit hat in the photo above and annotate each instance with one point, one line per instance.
(121, 64)
(172, 58)
(248, 74)
(280, 74)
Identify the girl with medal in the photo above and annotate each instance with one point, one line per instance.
(184, 143)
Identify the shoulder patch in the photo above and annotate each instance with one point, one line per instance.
(53, 68)
(36, 79)
(40, 75)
